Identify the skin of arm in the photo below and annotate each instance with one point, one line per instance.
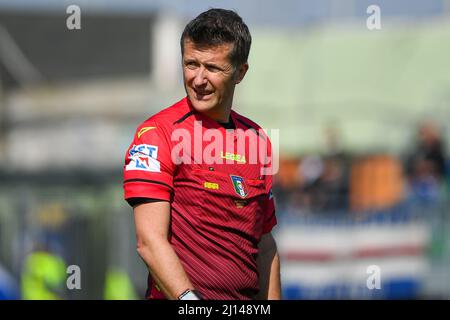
(268, 263)
(152, 222)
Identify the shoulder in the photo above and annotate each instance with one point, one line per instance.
(249, 124)
(166, 118)
(246, 121)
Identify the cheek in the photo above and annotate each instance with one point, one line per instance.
(226, 87)
(188, 76)
(218, 84)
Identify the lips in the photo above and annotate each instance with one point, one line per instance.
(202, 94)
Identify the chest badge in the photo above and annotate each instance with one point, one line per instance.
(239, 186)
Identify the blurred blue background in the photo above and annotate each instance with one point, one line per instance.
(364, 139)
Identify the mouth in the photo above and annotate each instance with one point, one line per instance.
(202, 94)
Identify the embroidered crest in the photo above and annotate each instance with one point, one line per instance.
(239, 186)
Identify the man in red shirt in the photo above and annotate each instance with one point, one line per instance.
(199, 182)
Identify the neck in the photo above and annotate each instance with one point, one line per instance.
(221, 113)
(217, 113)
(219, 116)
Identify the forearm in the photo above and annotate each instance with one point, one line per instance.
(268, 264)
(165, 267)
(152, 230)
(274, 287)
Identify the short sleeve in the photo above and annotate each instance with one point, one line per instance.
(148, 170)
(270, 219)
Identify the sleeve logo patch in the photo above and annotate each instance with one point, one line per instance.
(144, 157)
(144, 130)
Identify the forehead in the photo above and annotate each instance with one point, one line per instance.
(218, 53)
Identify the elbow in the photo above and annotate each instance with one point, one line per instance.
(268, 247)
(141, 248)
(146, 247)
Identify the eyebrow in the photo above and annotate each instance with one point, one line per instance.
(213, 65)
(207, 64)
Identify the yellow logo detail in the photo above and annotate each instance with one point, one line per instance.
(144, 130)
(211, 185)
(232, 156)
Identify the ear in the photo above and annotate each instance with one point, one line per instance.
(240, 73)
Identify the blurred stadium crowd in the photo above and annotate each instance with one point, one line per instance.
(338, 182)
(370, 189)
(343, 210)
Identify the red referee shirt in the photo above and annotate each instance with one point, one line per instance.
(219, 211)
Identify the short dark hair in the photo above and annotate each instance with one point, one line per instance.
(219, 26)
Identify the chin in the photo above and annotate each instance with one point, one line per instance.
(202, 106)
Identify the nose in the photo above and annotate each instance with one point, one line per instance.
(200, 77)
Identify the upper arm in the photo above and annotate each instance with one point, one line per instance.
(267, 244)
(152, 221)
(267, 266)
(148, 170)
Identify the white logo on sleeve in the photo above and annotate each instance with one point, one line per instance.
(143, 157)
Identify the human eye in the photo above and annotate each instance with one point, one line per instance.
(213, 68)
(190, 64)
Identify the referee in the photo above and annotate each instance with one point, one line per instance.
(203, 207)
